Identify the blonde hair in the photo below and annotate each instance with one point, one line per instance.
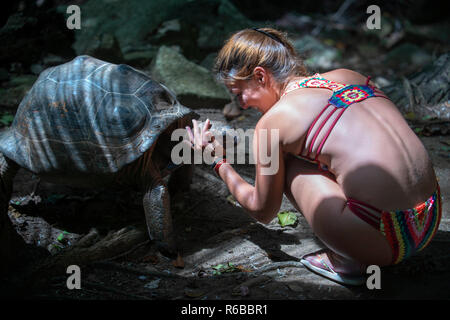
(264, 47)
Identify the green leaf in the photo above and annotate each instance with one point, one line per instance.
(418, 130)
(60, 237)
(220, 268)
(7, 119)
(287, 218)
(410, 116)
(427, 117)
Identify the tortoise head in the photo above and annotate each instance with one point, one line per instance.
(163, 98)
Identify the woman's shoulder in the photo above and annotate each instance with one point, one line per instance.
(287, 112)
(345, 76)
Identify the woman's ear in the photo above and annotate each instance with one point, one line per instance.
(260, 75)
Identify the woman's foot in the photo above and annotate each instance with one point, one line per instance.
(335, 267)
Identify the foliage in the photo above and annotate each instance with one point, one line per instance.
(287, 218)
(6, 119)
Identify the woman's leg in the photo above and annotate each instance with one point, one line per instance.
(323, 203)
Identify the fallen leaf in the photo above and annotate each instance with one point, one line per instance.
(231, 200)
(61, 238)
(243, 269)
(221, 268)
(193, 293)
(287, 218)
(410, 116)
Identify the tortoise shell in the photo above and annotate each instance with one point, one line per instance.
(89, 116)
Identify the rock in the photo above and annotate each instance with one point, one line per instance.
(105, 47)
(220, 20)
(424, 96)
(169, 26)
(318, 55)
(36, 68)
(140, 58)
(209, 60)
(129, 21)
(198, 26)
(194, 85)
(408, 57)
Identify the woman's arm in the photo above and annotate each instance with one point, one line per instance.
(263, 200)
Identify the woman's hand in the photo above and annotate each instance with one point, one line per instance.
(201, 138)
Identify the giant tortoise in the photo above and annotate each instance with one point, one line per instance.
(90, 123)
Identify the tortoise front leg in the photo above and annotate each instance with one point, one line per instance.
(180, 180)
(159, 220)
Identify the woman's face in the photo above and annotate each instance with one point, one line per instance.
(252, 93)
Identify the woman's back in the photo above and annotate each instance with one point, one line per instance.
(374, 155)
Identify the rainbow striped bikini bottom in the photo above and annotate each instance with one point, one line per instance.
(407, 231)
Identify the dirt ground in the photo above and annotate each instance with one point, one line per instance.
(263, 260)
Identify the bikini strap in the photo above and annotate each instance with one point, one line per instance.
(315, 81)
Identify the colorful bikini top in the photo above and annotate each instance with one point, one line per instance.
(343, 96)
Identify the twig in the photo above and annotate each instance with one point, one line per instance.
(277, 265)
